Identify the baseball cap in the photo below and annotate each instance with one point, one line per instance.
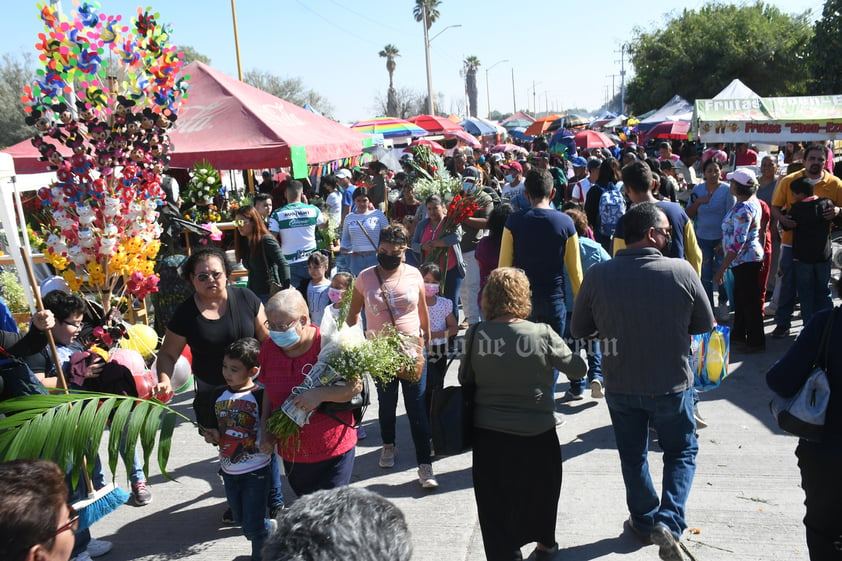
(542, 154)
(497, 157)
(470, 172)
(579, 162)
(743, 176)
(53, 283)
(515, 166)
(343, 173)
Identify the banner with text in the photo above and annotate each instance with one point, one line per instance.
(769, 120)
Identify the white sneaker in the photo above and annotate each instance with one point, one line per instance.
(82, 557)
(596, 389)
(387, 456)
(426, 477)
(98, 548)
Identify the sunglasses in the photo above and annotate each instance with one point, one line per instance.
(204, 277)
(241, 221)
(72, 524)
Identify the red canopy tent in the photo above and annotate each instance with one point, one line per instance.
(236, 126)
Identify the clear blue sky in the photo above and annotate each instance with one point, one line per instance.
(332, 45)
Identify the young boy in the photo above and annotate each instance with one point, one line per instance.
(811, 248)
(246, 471)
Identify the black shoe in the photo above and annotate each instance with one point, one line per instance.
(780, 332)
(545, 554)
(228, 517)
(668, 548)
(276, 510)
(644, 537)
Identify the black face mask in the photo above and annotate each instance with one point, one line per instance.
(388, 262)
(665, 251)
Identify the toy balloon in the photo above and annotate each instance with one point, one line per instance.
(142, 339)
(144, 383)
(129, 358)
(181, 378)
(188, 354)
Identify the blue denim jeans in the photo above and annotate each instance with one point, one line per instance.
(786, 299)
(343, 264)
(360, 261)
(811, 282)
(672, 417)
(276, 492)
(594, 356)
(316, 476)
(246, 494)
(710, 264)
(298, 273)
(552, 311)
(413, 401)
(452, 287)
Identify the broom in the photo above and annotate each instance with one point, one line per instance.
(99, 502)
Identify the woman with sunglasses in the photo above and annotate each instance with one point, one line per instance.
(260, 253)
(36, 522)
(212, 318)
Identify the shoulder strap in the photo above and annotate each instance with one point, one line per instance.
(823, 352)
(466, 352)
(235, 317)
(360, 226)
(385, 296)
(270, 277)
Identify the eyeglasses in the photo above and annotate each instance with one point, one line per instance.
(272, 327)
(241, 221)
(664, 231)
(72, 524)
(204, 277)
(71, 324)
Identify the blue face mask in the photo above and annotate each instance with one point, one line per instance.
(509, 178)
(285, 339)
(469, 186)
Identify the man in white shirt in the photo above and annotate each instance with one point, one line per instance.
(295, 225)
(580, 190)
(514, 179)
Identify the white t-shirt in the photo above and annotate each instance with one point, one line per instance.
(580, 190)
(334, 205)
(238, 414)
(296, 224)
(509, 187)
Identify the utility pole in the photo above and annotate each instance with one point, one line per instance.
(622, 62)
(514, 99)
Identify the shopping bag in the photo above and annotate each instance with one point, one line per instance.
(709, 357)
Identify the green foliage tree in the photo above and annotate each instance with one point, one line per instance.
(432, 8)
(389, 52)
(697, 53)
(16, 71)
(471, 65)
(826, 50)
(289, 89)
(189, 54)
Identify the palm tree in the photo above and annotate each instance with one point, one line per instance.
(471, 64)
(432, 8)
(389, 52)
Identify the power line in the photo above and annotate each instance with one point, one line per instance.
(335, 25)
(365, 17)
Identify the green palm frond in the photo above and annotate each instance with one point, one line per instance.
(68, 427)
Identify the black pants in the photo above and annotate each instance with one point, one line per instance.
(748, 305)
(436, 371)
(823, 498)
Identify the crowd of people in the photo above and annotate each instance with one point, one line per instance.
(534, 270)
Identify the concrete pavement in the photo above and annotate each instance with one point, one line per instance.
(746, 502)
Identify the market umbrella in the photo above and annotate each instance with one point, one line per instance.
(592, 139)
(541, 125)
(509, 148)
(434, 146)
(477, 127)
(519, 134)
(563, 144)
(676, 130)
(434, 124)
(465, 137)
(568, 122)
(389, 127)
(516, 123)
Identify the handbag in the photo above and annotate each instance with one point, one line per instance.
(709, 357)
(16, 378)
(411, 345)
(803, 414)
(452, 410)
(274, 286)
(357, 405)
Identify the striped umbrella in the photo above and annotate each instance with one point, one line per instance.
(434, 123)
(389, 127)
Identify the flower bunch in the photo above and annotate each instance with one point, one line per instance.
(346, 356)
(462, 207)
(432, 176)
(204, 184)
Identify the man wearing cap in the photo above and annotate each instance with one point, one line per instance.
(580, 189)
(343, 180)
(580, 173)
(513, 174)
(824, 185)
(295, 226)
(472, 231)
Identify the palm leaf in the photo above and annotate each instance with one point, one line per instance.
(66, 428)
